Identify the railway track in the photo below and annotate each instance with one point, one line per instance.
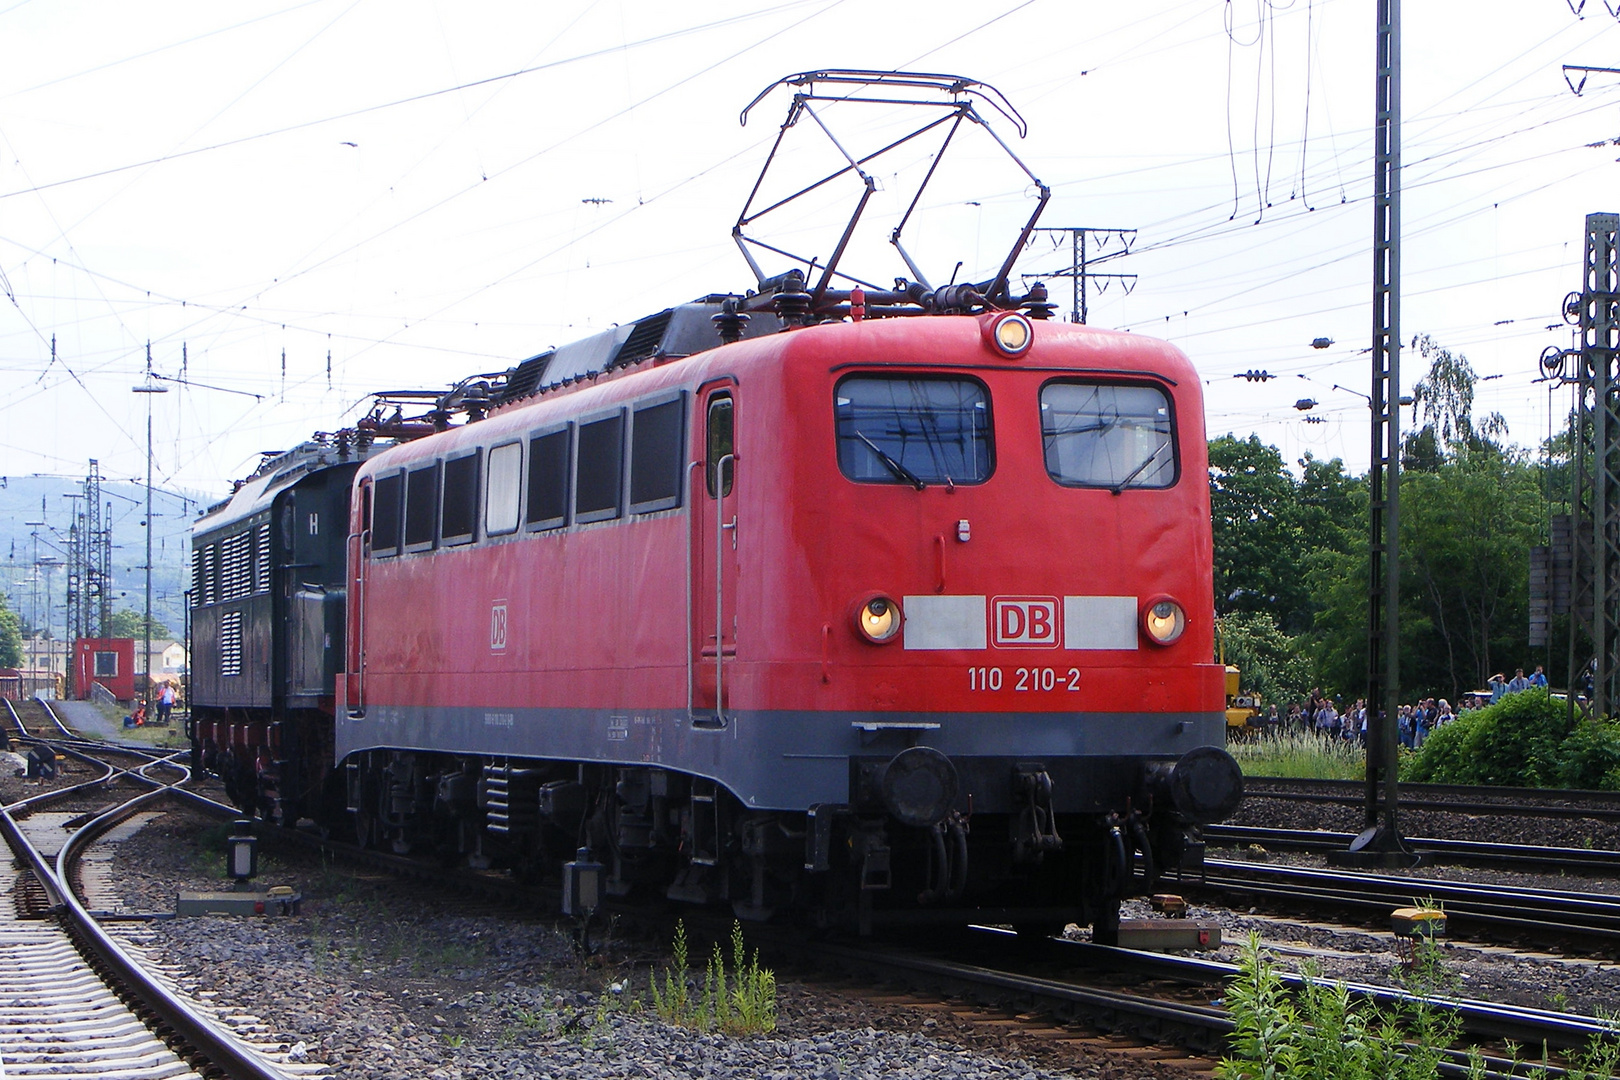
(1580, 923)
(1040, 995)
(77, 1002)
(1530, 858)
(1044, 991)
(1452, 798)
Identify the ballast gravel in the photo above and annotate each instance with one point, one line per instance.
(374, 981)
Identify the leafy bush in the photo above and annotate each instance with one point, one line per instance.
(1443, 758)
(1590, 757)
(1521, 741)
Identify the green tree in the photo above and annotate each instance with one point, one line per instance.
(11, 639)
(1337, 641)
(1465, 530)
(1445, 406)
(127, 623)
(1259, 547)
(1269, 661)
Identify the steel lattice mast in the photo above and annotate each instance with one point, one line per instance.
(1597, 495)
(1381, 839)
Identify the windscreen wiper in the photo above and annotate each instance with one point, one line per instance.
(1134, 473)
(899, 470)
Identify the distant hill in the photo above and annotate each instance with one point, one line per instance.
(25, 500)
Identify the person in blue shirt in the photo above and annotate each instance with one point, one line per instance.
(1539, 678)
(1518, 683)
(1498, 687)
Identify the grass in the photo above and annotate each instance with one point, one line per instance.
(747, 1005)
(1298, 755)
(171, 737)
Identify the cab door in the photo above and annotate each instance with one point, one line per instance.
(714, 534)
(359, 552)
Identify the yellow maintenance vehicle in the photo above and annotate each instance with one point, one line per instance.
(1242, 710)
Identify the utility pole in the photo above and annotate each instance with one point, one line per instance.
(1081, 261)
(98, 555)
(75, 588)
(1594, 531)
(33, 609)
(1380, 843)
(149, 387)
(1598, 478)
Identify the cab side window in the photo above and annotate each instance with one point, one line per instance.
(385, 516)
(549, 472)
(599, 471)
(720, 464)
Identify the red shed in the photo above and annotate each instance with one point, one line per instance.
(108, 661)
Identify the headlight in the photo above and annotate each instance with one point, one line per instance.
(878, 620)
(1010, 334)
(1164, 621)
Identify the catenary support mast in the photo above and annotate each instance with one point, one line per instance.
(1597, 534)
(1380, 840)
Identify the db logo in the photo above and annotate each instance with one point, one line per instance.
(1024, 622)
(497, 627)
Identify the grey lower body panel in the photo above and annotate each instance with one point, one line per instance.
(791, 760)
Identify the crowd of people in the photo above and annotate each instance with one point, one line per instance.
(1327, 717)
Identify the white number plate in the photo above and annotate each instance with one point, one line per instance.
(1024, 679)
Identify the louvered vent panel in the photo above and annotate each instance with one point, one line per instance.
(525, 379)
(228, 554)
(210, 586)
(643, 340)
(197, 577)
(261, 565)
(230, 643)
(238, 579)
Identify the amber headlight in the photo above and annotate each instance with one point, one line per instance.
(1164, 621)
(1011, 334)
(878, 620)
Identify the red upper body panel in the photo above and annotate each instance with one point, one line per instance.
(616, 614)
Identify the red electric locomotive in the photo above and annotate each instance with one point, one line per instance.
(921, 607)
(872, 604)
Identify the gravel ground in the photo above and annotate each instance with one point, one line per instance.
(1534, 980)
(1259, 811)
(376, 982)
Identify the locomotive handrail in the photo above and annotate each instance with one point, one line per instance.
(691, 692)
(354, 692)
(720, 528)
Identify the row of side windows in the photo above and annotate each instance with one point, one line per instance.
(627, 461)
(235, 567)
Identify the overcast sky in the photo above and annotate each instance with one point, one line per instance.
(319, 199)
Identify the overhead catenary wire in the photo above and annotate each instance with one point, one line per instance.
(226, 327)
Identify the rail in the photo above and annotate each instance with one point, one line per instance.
(1466, 852)
(166, 1014)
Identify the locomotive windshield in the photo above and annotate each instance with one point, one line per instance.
(910, 430)
(1115, 437)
